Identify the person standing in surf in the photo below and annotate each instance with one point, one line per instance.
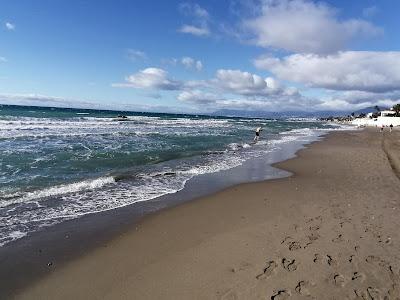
(257, 136)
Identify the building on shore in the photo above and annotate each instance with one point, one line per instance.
(386, 118)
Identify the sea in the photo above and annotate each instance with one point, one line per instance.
(57, 164)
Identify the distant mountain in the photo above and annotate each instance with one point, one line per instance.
(368, 110)
(273, 115)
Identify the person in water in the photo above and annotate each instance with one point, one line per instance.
(257, 136)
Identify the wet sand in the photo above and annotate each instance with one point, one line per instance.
(330, 231)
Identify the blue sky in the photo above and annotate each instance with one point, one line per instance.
(200, 56)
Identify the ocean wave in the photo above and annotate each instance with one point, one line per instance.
(58, 190)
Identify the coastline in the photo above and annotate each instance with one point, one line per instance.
(258, 239)
(26, 260)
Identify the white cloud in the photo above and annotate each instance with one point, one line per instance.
(150, 78)
(199, 19)
(199, 31)
(135, 55)
(191, 63)
(245, 83)
(350, 70)
(236, 89)
(348, 102)
(193, 10)
(10, 26)
(304, 26)
(198, 97)
(3, 59)
(199, 65)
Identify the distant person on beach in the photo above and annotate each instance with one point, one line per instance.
(257, 136)
(382, 127)
(391, 127)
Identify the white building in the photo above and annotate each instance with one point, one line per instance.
(379, 121)
(388, 113)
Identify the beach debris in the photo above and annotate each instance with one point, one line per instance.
(50, 263)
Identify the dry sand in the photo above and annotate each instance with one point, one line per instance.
(331, 231)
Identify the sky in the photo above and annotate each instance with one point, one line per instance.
(202, 56)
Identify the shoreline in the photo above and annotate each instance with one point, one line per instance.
(26, 260)
(239, 227)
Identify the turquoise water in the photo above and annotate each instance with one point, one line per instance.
(57, 164)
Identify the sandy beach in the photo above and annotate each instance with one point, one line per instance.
(330, 231)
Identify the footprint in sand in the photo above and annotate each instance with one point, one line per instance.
(338, 239)
(289, 264)
(288, 238)
(358, 277)
(281, 295)
(317, 258)
(339, 280)
(302, 288)
(330, 260)
(294, 246)
(314, 228)
(268, 270)
(313, 236)
(317, 220)
(373, 293)
(376, 259)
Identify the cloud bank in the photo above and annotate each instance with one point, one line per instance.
(351, 70)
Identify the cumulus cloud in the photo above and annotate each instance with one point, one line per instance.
(304, 26)
(199, 31)
(150, 78)
(350, 70)
(236, 89)
(199, 19)
(191, 63)
(10, 26)
(135, 55)
(198, 97)
(245, 83)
